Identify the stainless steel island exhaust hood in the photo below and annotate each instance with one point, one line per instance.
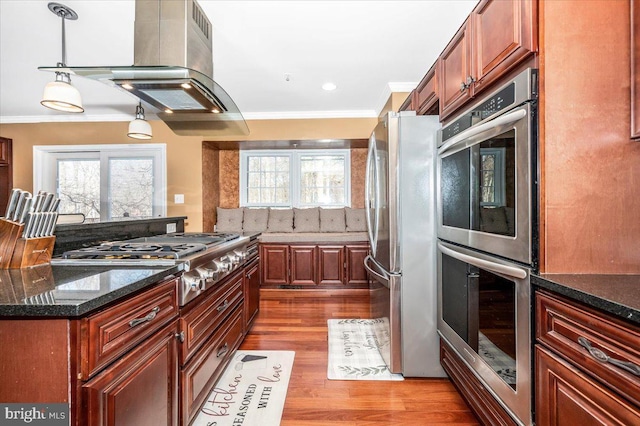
(173, 70)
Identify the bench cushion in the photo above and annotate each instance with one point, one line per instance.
(306, 220)
(356, 220)
(332, 220)
(280, 220)
(255, 220)
(229, 220)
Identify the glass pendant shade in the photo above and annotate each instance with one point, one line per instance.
(62, 96)
(139, 128)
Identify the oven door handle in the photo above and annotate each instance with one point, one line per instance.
(511, 271)
(492, 128)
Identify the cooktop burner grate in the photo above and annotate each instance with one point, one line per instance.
(136, 250)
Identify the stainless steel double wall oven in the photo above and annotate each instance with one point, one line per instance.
(487, 238)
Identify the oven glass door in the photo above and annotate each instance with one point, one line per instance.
(484, 313)
(484, 186)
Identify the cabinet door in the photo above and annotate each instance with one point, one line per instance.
(565, 396)
(455, 71)
(275, 264)
(331, 265)
(303, 265)
(141, 388)
(504, 34)
(251, 294)
(408, 104)
(356, 273)
(427, 93)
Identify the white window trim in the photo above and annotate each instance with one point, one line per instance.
(44, 167)
(294, 176)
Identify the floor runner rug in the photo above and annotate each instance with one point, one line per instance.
(354, 350)
(250, 392)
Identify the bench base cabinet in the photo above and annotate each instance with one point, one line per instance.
(313, 266)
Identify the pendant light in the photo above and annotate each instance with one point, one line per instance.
(139, 128)
(60, 95)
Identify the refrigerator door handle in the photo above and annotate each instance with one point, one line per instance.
(376, 270)
(370, 174)
(510, 271)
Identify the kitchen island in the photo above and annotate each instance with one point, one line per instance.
(114, 343)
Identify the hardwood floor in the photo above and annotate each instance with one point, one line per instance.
(297, 321)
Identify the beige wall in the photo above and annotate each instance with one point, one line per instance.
(184, 154)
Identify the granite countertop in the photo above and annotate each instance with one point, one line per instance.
(72, 291)
(618, 295)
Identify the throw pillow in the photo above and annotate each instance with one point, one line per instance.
(332, 220)
(306, 220)
(255, 220)
(229, 220)
(356, 220)
(280, 220)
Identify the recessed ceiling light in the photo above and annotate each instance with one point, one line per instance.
(127, 86)
(329, 87)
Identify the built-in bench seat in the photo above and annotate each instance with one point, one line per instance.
(305, 248)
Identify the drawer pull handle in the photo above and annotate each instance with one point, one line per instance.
(149, 317)
(223, 350)
(223, 306)
(602, 357)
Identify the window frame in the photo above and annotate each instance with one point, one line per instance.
(499, 177)
(45, 158)
(295, 173)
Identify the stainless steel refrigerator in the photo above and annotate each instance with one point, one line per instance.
(401, 222)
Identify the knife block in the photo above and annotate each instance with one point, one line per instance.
(9, 234)
(32, 251)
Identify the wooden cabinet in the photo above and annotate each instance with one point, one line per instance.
(251, 289)
(497, 36)
(567, 396)
(321, 265)
(576, 381)
(274, 261)
(356, 274)
(331, 265)
(212, 327)
(109, 334)
(455, 71)
(140, 388)
(408, 104)
(303, 267)
(426, 96)
(6, 172)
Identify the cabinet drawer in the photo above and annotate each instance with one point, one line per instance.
(140, 388)
(200, 322)
(566, 396)
(568, 327)
(112, 332)
(202, 372)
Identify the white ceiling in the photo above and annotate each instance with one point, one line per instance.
(367, 48)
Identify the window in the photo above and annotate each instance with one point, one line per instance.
(492, 177)
(295, 178)
(104, 182)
